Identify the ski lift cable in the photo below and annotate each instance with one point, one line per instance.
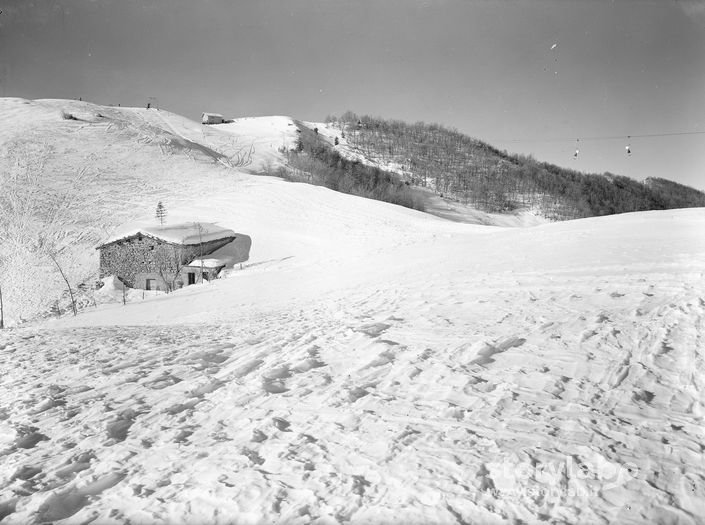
(604, 137)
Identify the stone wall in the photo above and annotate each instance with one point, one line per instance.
(140, 257)
(159, 281)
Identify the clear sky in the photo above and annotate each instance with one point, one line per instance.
(485, 67)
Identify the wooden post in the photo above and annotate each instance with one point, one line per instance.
(200, 247)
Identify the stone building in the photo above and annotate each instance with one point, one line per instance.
(165, 257)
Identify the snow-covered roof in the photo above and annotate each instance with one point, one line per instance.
(208, 263)
(181, 233)
(218, 115)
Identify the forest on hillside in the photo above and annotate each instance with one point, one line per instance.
(473, 172)
(316, 162)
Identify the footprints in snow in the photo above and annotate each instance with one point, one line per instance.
(282, 378)
(29, 437)
(357, 393)
(384, 358)
(117, 430)
(643, 395)
(281, 424)
(62, 505)
(274, 380)
(374, 329)
(485, 355)
(148, 369)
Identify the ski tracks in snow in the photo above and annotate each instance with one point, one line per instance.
(439, 403)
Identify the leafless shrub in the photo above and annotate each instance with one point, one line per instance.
(37, 231)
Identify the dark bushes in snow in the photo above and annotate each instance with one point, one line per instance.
(315, 161)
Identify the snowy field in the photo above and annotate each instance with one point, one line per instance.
(372, 364)
(404, 370)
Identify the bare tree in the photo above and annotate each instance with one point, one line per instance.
(63, 276)
(242, 156)
(235, 155)
(42, 200)
(169, 268)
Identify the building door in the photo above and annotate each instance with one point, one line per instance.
(151, 284)
(192, 278)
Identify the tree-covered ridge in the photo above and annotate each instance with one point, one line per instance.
(316, 162)
(476, 173)
(675, 195)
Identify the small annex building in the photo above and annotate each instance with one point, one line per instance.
(165, 257)
(212, 118)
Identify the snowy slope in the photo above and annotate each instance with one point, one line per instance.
(268, 136)
(72, 173)
(376, 365)
(257, 142)
(368, 364)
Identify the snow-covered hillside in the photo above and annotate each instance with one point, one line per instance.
(72, 173)
(369, 363)
(434, 204)
(375, 364)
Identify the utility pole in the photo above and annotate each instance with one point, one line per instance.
(200, 247)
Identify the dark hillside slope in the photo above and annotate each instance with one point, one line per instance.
(473, 172)
(317, 162)
(675, 195)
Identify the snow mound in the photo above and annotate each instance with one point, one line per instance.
(111, 289)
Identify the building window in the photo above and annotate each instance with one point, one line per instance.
(151, 284)
(191, 278)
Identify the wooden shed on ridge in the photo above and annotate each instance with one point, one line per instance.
(212, 118)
